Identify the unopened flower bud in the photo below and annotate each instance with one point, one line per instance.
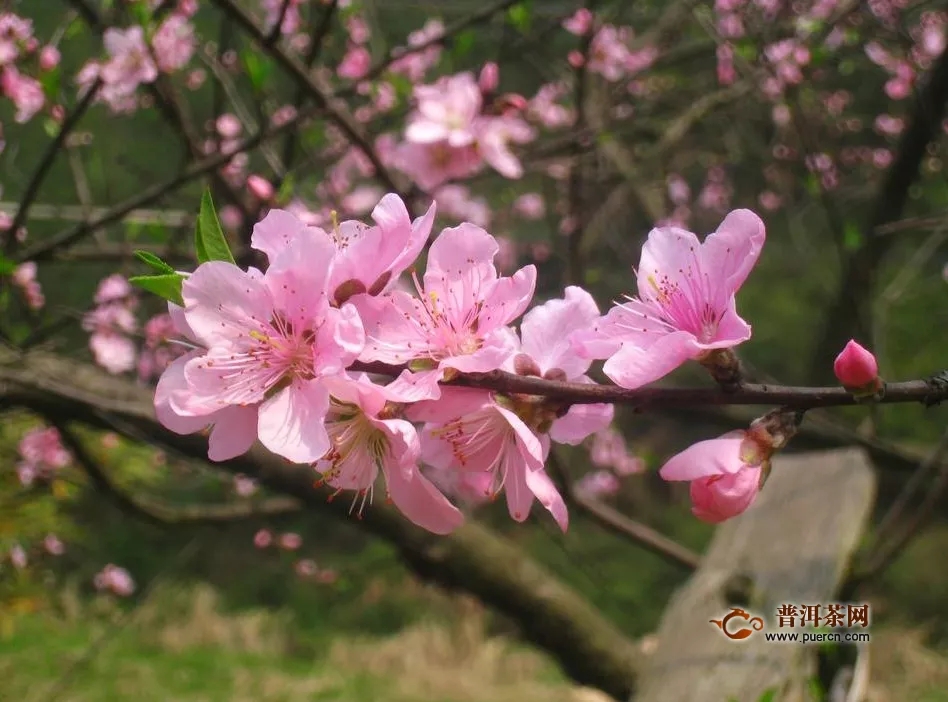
(525, 365)
(857, 371)
(260, 187)
(49, 58)
(489, 78)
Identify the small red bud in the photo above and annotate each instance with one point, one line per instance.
(856, 367)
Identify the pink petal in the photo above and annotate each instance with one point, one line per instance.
(497, 349)
(633, 366)
(222, 302)
(274, 233)
(234, 432)
(414, 495)
(722, 497)
(415, 387)
(420, 231)
(291, 423)
(669, 251)
(454, 402)
(508, 298)
(392, 329)
(546, 493)
(172, 382)
(580, 422)
(462, 259)
(706, 458)
(298, 275)
(546, 331)
(731, 252)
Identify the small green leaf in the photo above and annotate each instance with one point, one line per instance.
(258, 69)
(769, 695)
(520, 16)
(6, 265)
(852, 236)
(464, 42)
(167, 287)
(209, 241)
(149, 259)
(747, 51)
(285, 194)
(51, 127)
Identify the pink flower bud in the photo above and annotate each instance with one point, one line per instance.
(489, 78)
(262, 538)
(260, 187)
(717, 498)
(575, 59)
(49, 58)
(856, 367)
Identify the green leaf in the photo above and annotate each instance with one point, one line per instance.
(464, 42)
(769, 695)
(209, 241)
(285, 194)
(167, 287)
(6, 265)
(747, 51)
(852, 236)
(150, 259)
(520, 16)
(258, 69)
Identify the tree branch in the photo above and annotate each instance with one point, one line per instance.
(588, 646)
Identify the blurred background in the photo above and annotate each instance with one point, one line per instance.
(132, 569)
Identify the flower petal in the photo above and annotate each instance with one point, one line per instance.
(292, 422)
(223, 304)
(547, 495)
(546, 331)
(274, 233)
(234, 432)
(706, 458)
(633, 366)
(580, 422)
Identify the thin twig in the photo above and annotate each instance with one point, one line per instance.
(54, 147)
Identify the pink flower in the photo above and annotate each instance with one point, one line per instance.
(270, 341)
(460, 315)
(355, 63)
(53, 545)
(855, 366)
(44, 447)
(724, 473)
(530, 206)
(686, 304)
(228, 126)
(173, 43)
(489, 78)
(18, 557)
(244, 486)
(430, 165)
(469, 430)
(579, 23)
(446, 111)
(24, 277)
(263, 538)
(545, 332)
(114, 352)
(608, 53)
(365, 259)
(25, 93)
(49, 58)
(598, 484)
(457, 201)
(305, 568)
(368, 438)
(260, 187)
(130, 63)
(290, 541)
(494, 135)
(114, 288)
(115, 579)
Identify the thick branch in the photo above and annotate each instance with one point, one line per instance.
(588, 646)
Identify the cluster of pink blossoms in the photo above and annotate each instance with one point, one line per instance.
(136, 56)
(110, 323)
(42, 455)
(275, 355)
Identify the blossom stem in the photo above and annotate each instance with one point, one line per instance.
(928, 392)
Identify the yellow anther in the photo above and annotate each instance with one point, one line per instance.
(260, 336)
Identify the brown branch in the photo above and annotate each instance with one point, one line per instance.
(48, 247)
(886, 550)
(587, 645)
(301, 76)
(618, 523)
(46, 162)
(159, 513)
(928, 392)
(447, 35)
